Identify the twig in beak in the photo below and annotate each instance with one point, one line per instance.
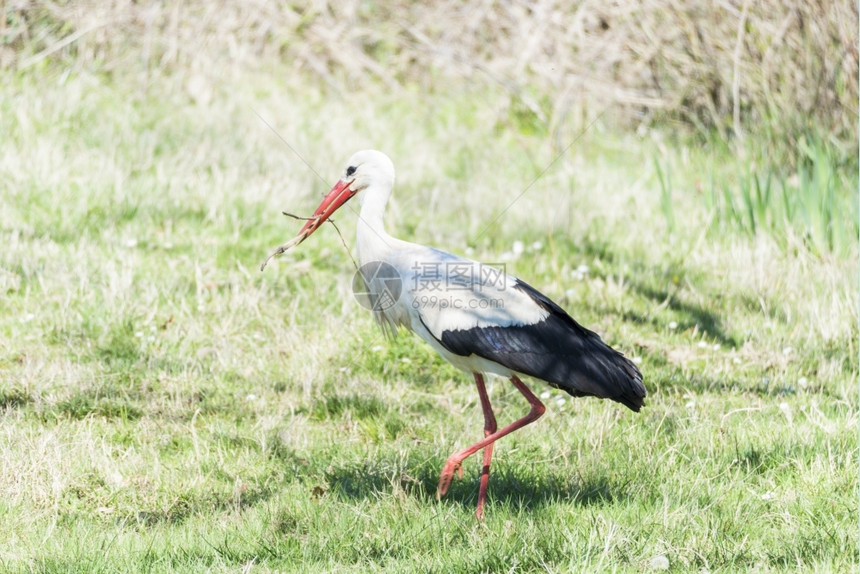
(345, 246)
(299, 238)
(280, 250)
(299, 217)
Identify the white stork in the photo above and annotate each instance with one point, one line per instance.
(478, 318)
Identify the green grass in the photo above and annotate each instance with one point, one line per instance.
(807, 197)
(166, 407)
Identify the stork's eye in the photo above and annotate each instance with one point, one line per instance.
(350, 170)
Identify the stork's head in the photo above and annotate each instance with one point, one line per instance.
(365, 169)
(369, 168)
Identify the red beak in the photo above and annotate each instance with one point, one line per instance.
(339, 194)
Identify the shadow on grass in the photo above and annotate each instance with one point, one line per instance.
(673, 380)
(693, 314)
(519, 488)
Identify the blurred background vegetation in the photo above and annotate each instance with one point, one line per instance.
(772, 83)
(783, 69)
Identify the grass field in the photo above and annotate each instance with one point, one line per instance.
(165, 406)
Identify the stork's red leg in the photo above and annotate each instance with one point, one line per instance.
(455, 460)
(489, 428)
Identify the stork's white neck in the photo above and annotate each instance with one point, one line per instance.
(373, 241)
(373, 201)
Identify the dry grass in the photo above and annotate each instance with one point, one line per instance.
(785, 67)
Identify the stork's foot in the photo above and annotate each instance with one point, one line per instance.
(482, 499)
(452, 465)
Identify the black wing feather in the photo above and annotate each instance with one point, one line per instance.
(557, 350)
